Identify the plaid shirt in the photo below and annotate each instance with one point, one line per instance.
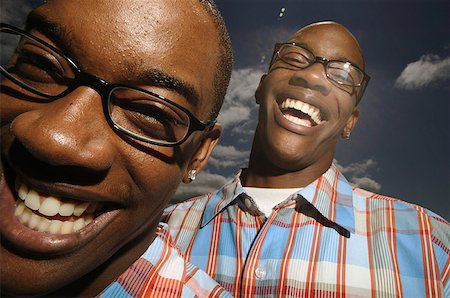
(327, 240)
(162, 271)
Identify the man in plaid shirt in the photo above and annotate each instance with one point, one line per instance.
(291, 225)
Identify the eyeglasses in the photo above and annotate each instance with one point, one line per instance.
(342, 74)
(46, 72)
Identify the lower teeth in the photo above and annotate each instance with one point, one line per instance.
(53, 226)
(297, 120)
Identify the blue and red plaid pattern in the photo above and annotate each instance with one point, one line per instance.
(327, 239)
(162, 271)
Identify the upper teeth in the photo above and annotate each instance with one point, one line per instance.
(305, 108)
(51, 206)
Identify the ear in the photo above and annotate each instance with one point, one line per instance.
(201, 156)
(351, 122)
(258, 90)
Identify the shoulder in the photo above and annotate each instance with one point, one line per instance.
(373, 200)
(405, 218)
(187, 207)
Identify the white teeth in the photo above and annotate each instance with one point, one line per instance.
(19, 209)
(50, 206)
(66, 209)
(55, 226)
(26, 215)
(299, 121)
(32, 200)
(80, 208)
(43, 225)
(34, 221)
(78, 224)
(22, 190)
(31, 211)
(67, 227)
(305, 108)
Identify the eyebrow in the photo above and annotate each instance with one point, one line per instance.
(155, 77)
(158, 78)
(54, 31)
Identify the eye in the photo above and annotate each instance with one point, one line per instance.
(340, 75)
(39, 67)
(294, 56)
(147, 116)
(33, 67)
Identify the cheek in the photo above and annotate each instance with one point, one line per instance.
(155, 176)
(12, 107)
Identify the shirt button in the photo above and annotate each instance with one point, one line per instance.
(260, 273)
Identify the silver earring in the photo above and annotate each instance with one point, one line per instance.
(346, 134)
(192, 174)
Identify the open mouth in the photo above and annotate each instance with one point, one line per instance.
(51, 214)
(300, 113)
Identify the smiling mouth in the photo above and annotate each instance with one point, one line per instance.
(300, 113)
(51, 214)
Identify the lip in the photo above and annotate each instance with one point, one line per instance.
(296, 128)
(41, 243)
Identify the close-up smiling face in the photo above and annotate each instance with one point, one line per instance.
(76, 191)
(303, 107)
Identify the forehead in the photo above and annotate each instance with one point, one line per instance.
(331, 41)
(121, 41)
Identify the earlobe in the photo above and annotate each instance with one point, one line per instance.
(351, 122)
(258, 90)
(203, 153)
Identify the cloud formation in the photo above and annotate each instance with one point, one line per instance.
(239, 101)
(359, 174)
(427, 70)
(228, 157)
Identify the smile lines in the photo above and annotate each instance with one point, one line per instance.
(296, 111)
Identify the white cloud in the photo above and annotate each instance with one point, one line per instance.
(358, 168)
(228, 157)
(428, 69)
(206, 182)
(239, 101)
(366, 183)
(359, 174)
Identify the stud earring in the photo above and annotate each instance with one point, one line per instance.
(192, 174)
(346, 134)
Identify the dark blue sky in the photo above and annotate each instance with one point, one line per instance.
(400, 146)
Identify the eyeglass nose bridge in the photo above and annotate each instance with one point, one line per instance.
(91, 81)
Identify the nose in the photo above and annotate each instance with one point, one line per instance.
(70, 131)
(313, 77)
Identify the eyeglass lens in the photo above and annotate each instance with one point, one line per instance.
(147, 116)
(35, 65)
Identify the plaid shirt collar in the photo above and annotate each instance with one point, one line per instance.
(328, 200)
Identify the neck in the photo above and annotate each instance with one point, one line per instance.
(97, 280)
(262, 172)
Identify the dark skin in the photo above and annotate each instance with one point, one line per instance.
(66, 149)
(288, 155)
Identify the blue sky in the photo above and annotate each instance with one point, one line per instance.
(400, 146)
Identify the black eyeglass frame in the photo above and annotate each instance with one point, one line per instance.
(324, 61)
(104, 89)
